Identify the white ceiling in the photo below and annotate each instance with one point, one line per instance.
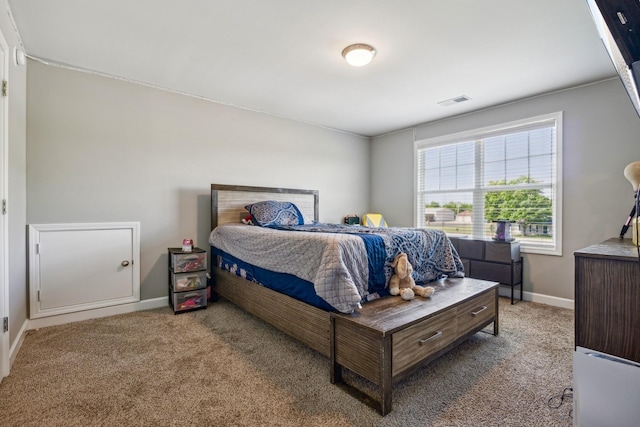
(283, 57)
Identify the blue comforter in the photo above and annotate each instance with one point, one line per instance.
(346, 264)
(430, 252)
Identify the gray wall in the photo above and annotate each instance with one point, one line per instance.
(101, 149)
(601, 136)
(105, 150)
(16, 203)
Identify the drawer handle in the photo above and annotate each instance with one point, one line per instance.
(124, 263)
(432, 337)
(475, 313)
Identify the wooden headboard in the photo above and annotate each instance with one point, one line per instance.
(228, 201)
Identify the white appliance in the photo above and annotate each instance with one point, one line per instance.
(606, 390)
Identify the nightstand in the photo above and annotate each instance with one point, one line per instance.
(491, 260)
(187, 279)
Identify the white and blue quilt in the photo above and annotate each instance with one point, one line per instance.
(346, 264)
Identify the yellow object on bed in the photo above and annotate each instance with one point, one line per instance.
(374, 220)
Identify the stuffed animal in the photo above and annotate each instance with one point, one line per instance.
(401, 283)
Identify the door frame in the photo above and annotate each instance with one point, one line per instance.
(4, 221)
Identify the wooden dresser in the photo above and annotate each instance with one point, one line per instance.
(607, 298)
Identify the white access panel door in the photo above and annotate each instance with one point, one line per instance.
(74, 267)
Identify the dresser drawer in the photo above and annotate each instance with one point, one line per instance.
(417, 342)
(476, 312)
(188, 261)
(189, 281)
(182, 301)
(493, 272)
(502, 251)
(468, 248)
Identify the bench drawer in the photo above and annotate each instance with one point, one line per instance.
(417, 342)
(475, 312)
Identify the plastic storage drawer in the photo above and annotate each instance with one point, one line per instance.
(190, 261)
(189, 281)
(183, 301)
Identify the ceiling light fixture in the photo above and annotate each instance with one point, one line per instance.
(358, 54)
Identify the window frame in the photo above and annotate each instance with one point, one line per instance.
(501, 129)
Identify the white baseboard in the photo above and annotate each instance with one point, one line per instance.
(13, 351)
(60, 319)
(505, 291)
(550, 300)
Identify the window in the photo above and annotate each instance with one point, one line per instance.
(467, 181)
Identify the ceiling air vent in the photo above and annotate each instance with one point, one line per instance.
(453, 101)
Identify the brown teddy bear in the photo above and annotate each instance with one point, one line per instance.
(401, 283)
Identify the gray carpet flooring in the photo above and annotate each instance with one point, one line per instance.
(223, 367)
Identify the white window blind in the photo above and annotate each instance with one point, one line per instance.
(466, 181)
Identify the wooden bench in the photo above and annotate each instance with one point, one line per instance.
(389, 338)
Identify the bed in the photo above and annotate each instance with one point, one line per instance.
(381, 339)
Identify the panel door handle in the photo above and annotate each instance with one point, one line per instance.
(124, 263)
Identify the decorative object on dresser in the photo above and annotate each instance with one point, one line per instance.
(632, 173)
(187, 279)
(362, 341)
(503, 231)
(187, 245)
(606, 363)
(491, 260)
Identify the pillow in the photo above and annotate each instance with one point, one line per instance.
(374, 220)
(271, 212)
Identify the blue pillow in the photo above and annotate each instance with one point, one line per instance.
(270, 213)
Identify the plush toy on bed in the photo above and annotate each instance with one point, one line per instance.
(401, 283)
